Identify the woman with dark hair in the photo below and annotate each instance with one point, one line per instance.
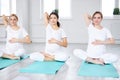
(56, 39)
(99, 36)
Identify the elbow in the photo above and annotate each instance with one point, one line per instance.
(113, 42)
(29, 41)
(66, 45)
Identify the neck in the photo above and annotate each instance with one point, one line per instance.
(14, 27)
(55, 27)
(98, 26)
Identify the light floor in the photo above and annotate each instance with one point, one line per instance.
(67, 72)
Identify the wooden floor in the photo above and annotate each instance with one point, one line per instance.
(67, 72)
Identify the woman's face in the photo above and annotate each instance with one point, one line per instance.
(13, 21)
(97, 19)
(53, 19)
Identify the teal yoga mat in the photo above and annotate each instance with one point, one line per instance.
(45, 67)
(94, 70)
(4, 62)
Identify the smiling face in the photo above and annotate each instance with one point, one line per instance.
(53, 19)
(97, 18)
(13, 20)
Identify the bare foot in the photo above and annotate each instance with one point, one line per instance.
(98, 62)
(95, 61)
(10, 56)
(49, 59)
(47, 55)
(15, 58)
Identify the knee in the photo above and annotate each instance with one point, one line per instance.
(36, 56)
(62, 57)
(110, 58)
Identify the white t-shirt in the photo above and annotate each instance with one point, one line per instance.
(57, 34)
(96, 51)
(19, 34)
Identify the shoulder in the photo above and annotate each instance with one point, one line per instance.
(21, 28)
(61, 30)
(48, 26)
(105, 29)
(90, 25)
(8, 27)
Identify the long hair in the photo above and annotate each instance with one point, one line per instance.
(56, 14)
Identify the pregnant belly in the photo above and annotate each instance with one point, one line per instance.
(52, 48)
(95, 51)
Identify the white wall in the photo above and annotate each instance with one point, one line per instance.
(22, 7)
(75, 28)
(37, 29)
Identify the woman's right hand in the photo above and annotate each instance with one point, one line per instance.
(46, 18)
(5, 20)
(4, 17)
(13, 40)
(87, 18)
(46, 14)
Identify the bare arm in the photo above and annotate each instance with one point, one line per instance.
(5, 20)
(88, 19)
(61, 43)
(108, 41)
(46, 18)
(24, 40)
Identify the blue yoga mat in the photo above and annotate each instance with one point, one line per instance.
(94, 70)
(45, 67)
(4, 62)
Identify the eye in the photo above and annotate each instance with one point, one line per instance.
(94, 17)
(50, 17)
(99, 17)
(14, 19)
(11, 19)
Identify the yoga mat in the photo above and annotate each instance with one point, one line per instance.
(4, 62)
(95, 70)
(45, 67)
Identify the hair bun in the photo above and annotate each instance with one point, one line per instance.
(55, 11)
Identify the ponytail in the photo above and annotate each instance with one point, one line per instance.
(58, 24)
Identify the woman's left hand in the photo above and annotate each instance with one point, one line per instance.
(97, 42)
(52, 41)
(13, 40)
